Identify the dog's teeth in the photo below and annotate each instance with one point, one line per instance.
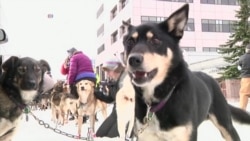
(133, 74)
(145, 75)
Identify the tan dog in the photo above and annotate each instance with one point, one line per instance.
(88, 104)
(125, 108)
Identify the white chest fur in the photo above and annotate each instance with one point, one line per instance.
(151, 131)
(7, 125)
(148, 95)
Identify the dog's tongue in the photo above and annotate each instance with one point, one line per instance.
(139, 74)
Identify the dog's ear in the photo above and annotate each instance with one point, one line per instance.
(10, 63)
(177, 21)
(44, 65)
(127, 26)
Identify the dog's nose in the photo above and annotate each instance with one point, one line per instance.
(82, 88)
(135, 60)
(28, 85)
(31, 83)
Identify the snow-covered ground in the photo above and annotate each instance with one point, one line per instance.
(32, 131)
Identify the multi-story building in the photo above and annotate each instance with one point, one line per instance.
(209, 25)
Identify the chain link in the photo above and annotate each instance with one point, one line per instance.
(58, 131)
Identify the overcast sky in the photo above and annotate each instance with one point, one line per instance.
(32, 33)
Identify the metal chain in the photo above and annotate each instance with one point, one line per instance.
(58, 131)
(27, 111)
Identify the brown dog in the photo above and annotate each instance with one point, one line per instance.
(88, 104)
(19, 86)
(61, 103)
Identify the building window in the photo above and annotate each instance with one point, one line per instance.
(99, 12)
(114, 37)
(220, 2)
(190, 25)
(101, 49)
(189, 49)
(217, 25)
(233, 2)
(122, 4)
(100, 31)
(209, 49)
(113, 13)
(189, 1)
(208, 25)
(146, 19)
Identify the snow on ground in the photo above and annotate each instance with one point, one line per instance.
(32, 131)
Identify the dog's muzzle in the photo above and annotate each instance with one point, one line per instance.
(138, 74)
(82, 88)
(29, 85)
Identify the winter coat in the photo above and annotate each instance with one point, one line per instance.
(80, 66)
(64, 70)
(113, 89)
(244, 63)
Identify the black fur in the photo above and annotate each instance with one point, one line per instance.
(21, 76)
(196, 96)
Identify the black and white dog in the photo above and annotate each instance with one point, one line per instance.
(19, 86)
(170, 100)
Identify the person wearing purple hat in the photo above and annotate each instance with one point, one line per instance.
(77, 66)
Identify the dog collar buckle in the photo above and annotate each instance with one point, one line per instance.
(146, 120)
(148, 116)
(26, 110)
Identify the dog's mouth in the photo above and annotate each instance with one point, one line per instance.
(139, 77)
(29, 86)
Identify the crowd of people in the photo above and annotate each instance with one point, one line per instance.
(78, 66)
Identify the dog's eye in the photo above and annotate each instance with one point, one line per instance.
(37, 69)
(130, 43)
(21, 69)
(155, 41)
